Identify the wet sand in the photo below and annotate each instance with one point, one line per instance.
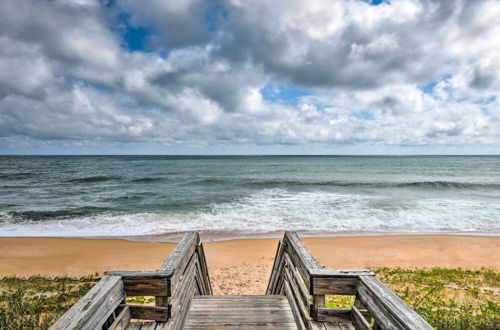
(243, 266)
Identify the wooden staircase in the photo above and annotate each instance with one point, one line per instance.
(294, 299)
(242, 312)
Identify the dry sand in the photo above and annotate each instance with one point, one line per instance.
(243, 266)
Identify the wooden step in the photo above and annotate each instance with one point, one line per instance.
(242, 312)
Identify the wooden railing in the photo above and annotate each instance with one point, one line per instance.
(182, 276)
(301, 278)
(296, 274)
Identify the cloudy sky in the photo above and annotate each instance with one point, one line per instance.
(250, 76)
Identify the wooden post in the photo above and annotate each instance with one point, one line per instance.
(318, 302)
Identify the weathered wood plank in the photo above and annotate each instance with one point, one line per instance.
(339, 282)
(279, 285)
(140, 274)
(340, 273)
(189, 239)
(147, 288)
(183, 294)
(252, 326)
(122, 320)
(176, 263)
(181, 309)
(203, 263)
(297, 315)
(165, 325)
(366, 314)
(337, 286)
(300, 256)
(358, 319)
(303, 308)
(134, 326)
(318, 302)
(338, 326)
(95, 307)
(333, 315)
(249, 304)
(186, 281)
(240, 297)
(149, 326)
(307, 260)
(273, 279)
(397, 307)
(294, 276)
(377, 309)
(146, 312)
(244, 312)
(240, 316)
(155, 283)
(181, 255)
(316, 325)
(199, 276)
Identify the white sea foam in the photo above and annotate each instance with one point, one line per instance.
(272, 210)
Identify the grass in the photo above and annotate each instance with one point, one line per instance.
(449, 298)
(36, 302)
(446, 298)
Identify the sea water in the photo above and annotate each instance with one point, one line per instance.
(248, 195)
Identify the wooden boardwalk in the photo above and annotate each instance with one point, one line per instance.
(294, 299)
(231, 312)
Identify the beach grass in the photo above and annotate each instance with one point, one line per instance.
(36, 302)
(447, 298)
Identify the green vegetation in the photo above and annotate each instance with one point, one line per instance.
(447, 298)
(343, 302)
(140, 300)
(36, 302)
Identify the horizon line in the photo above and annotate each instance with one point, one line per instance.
(252, 155)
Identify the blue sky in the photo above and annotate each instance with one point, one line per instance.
(249, 77)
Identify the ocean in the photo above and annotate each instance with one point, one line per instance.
(247, 196)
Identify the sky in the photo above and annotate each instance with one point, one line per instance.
(250, 77)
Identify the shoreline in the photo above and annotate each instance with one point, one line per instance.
(214, 236)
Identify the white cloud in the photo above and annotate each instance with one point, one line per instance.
(405, 73)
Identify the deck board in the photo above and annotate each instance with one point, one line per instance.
(338, 326)
(134, 326)
(231, 312)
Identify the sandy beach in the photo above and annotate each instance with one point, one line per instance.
(243, 266)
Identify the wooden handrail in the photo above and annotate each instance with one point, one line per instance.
(299, 276)
(296, 274)
(183, 275)
(92, 311)
(188, 276)
(291, 277)
(388, 309)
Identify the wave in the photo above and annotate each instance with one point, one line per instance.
(147, 180)
(95, 178)
(273, 210)
(20, 216)
(212, 181)
(414, 184)
(448, 184)
(16, 176)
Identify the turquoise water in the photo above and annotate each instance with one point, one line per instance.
(154, 195)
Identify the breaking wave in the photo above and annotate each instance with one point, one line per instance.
(272, 210)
